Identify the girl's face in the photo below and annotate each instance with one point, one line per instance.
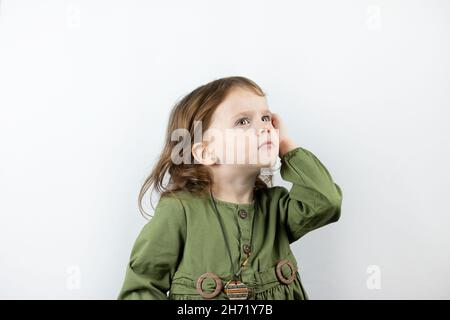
(241, 131)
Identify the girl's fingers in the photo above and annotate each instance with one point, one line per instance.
(277, 123)
(275, 120)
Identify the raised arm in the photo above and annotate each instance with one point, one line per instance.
(314, 199)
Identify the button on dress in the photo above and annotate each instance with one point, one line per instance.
(183, 240)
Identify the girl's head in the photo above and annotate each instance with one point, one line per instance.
(223, 125)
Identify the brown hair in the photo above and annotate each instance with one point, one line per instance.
(199, 105)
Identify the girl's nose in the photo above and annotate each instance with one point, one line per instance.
(266, 127)
(263, 130)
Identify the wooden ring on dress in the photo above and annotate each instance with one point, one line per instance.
(280, 274)
(216, 290)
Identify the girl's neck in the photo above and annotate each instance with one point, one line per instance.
(235, 188)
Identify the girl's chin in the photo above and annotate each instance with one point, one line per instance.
(267, 160)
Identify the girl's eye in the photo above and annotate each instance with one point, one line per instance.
(267, 118)
(243, 121)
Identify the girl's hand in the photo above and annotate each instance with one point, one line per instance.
(286, 144)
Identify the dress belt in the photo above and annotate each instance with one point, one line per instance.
(283, 272)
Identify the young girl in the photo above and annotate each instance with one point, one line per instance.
(220, 230)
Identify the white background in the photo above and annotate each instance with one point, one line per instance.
(85, 92)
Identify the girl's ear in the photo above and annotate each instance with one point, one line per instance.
(202, 154)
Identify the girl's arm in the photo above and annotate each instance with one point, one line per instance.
(156, 253)
(314, 199)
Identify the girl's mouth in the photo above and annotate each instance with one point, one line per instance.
(267, 144)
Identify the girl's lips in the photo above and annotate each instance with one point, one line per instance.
(267, 143)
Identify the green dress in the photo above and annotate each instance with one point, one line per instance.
(183, 240)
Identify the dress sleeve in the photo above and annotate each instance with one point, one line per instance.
(314, 200)
(156, 253)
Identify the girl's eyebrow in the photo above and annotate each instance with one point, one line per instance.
(246, 113)
(240, 114)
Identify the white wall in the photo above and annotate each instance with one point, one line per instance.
(85, 91)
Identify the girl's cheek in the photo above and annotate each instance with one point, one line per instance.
(274, 134)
